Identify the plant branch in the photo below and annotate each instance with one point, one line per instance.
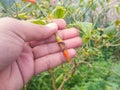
(53, 78)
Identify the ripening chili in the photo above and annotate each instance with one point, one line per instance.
(32, 1)
(62, 46)
(66, 54)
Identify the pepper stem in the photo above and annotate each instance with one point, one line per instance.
(62, 46)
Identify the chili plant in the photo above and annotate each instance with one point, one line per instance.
(97, 63)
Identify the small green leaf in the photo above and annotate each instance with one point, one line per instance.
(86, 27)
(117, 22)
(110, 88)
(60, 77)
(108, 1)
(38, 21)
(22, 16)
(117, 9)
(111, 30)
(59, 12)
(94, 6)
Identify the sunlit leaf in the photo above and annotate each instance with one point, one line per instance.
(108, 1)
(86, 27)
(59, 12)
(117, 22)
(110, 88)
(60, 77)
(81, 0)
(22, 16)
(38, 21)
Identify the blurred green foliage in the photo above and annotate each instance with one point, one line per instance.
(97, 65)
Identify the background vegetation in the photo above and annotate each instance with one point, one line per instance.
(97, 65)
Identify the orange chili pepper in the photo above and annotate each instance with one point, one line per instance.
(32, 1)
(65, 52)
(62, 46)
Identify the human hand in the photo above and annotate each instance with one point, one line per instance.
(27, 49)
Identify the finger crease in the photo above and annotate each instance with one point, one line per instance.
(63, 37)
(21, 72)
(48, 49)
(48, 63)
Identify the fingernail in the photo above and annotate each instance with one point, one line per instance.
(52, 25)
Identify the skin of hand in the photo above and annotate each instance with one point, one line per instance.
(28, 49)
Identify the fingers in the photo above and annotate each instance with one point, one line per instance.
(30, 32)
(50, 48)
(50, 61)
(64, 34)
(61, 23)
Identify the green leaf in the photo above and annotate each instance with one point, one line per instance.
(60, 77)
(38, 21)
(111, 30)
(108, 1)
(117, 22)
(59, 12)
(117, 9)
(22, 16)
(94, 6)
(86, 27)
(110, 88)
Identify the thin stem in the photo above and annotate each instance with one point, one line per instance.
(53, 79)
(25, 87)
(87, 8)
(8, 11)
(99, 15)
(16, 8)
(114, 45)
(116, 40)
(25, 7)
(63, 82)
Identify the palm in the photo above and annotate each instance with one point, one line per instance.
(25, 64)
(36, 59)
(20, 71)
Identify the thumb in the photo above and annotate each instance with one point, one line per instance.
(29, 31)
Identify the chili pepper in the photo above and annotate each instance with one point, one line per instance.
(32, 1)
(66, 54)
(62, 46)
